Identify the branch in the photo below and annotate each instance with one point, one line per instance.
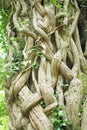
(28, 32)
(39, 30)
(66, 4)
(66, 72)
(59, 91)
(15, 16)
(39, 8)
(55, 63)
(60, 15)
(74, 24)
(24, 8)
(76, 65)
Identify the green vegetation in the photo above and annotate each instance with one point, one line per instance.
(59, 120)
(3, 44)
(57, 3)
(36, 50)
(3, 113)
(3, 73)
(42, 103)
(3, 35)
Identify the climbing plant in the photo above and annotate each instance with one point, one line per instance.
(45, 58)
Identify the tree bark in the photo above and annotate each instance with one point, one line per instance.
(45, 53)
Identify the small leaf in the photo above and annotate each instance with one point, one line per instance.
(56, 95)
(64, 124)
(60, 113)
(58, 129)
(53, 120)
(35, 65)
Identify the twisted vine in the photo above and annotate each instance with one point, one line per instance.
(54, 31)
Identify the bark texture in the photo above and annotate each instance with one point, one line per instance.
(45, 40)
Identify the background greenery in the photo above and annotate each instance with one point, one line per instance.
(3, 113)
(3, 51)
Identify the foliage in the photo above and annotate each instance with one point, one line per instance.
(38, 53)
(82, 3)
(3, 73)
(54, 2)
(2, 104)
(57, 3)
(58, 119)
(4, 123)
(16, 64)
(42, 103)
(3, 113)
(3, 44)
(3, 35)
(35, 65)
(36, 50)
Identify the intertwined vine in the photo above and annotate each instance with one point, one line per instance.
(45, 54)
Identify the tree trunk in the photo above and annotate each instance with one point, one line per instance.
(45, 54)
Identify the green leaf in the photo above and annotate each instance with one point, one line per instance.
(58, 129)
(60, 113)
(35, 65)
(53, 120)
(56, 95)
(64, 124)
